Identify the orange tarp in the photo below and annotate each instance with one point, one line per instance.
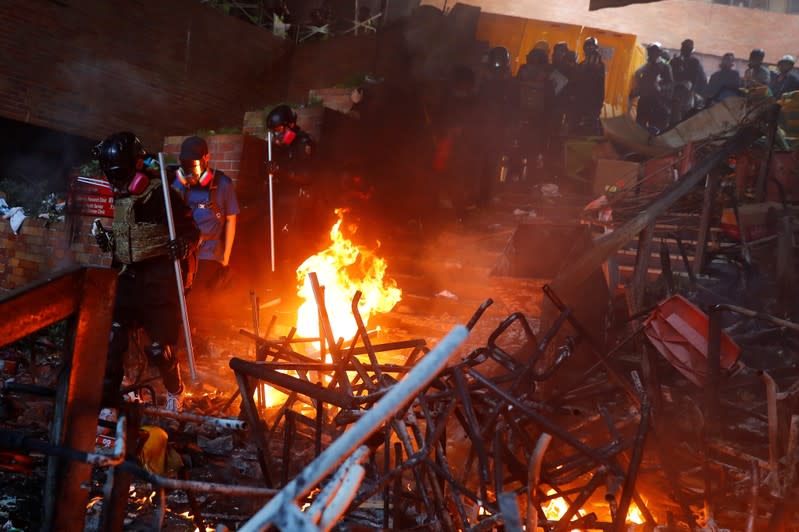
(621, 52)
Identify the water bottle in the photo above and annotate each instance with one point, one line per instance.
(504, 164)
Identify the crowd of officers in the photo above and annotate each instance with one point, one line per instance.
(552, 95)
(669, 89)
(555, 95)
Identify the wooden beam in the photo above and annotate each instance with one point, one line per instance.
(711, 189)
(772, 115)
(34, 306)
(78, 395)
(641, 270)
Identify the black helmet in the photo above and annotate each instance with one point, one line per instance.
(758, 54)
(537, 56)
(590, 43)
(282, 115)
(654, 50)
(499, 58)
(118, 156)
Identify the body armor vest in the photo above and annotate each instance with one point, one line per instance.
(137, 241)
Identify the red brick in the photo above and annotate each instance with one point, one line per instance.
(32, 230)
(27, 264)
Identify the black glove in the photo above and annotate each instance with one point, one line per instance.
(178, 249)
(105, 239)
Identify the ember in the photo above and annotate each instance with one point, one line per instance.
(557, 508)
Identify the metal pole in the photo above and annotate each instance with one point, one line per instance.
(184, 314)
(271, 201)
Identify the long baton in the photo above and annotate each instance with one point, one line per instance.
(170, 220)
(271, 201)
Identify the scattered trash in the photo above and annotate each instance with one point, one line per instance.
(550, 190)
(447, 294)
(521, 212)
(597, 203)
(15, 217)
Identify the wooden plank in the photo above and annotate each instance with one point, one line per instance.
(642, 266)
(79, 395)
(32, 307)
(771, 135)
(711, 189)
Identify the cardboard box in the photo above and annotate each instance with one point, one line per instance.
(755, 218)
(612, 173)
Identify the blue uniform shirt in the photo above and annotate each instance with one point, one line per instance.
(210, 210)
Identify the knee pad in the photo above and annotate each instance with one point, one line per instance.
(159, 355)
(118, 341)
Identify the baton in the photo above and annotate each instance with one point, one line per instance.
(178, 274)
(271, 201)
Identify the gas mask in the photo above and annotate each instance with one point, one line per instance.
(124, 183)
(192, 172)
(284, 135)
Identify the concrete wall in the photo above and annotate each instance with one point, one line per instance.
(91, 67)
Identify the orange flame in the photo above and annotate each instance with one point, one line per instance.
(557, 507)
(272, 396)
(343, 269)
(634, 514)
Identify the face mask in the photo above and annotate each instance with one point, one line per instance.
(138, 184)
(287, 137)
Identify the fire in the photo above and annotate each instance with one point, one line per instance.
(343, 269)
(557, 508)
(634, 515)
(272, 396)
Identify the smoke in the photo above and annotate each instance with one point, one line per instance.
(436, 41)
(36, 161)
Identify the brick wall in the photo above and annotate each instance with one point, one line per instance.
(39, 249)
(91, 67)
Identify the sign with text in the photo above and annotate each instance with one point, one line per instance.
(91, 197)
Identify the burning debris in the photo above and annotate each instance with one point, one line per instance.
(659, 418)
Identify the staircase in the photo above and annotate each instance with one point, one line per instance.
(683, 226)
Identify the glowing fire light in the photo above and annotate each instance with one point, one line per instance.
(557, 508)
(634, 515)
(272, 397)
(343, 269)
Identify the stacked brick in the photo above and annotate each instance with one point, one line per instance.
(41, 248)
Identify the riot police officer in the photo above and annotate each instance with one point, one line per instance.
(292, 165)
(588, 91)
(653, 86)
(146, 295)
(498, 101)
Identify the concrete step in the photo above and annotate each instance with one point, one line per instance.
(627, 257)
(652, 274)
